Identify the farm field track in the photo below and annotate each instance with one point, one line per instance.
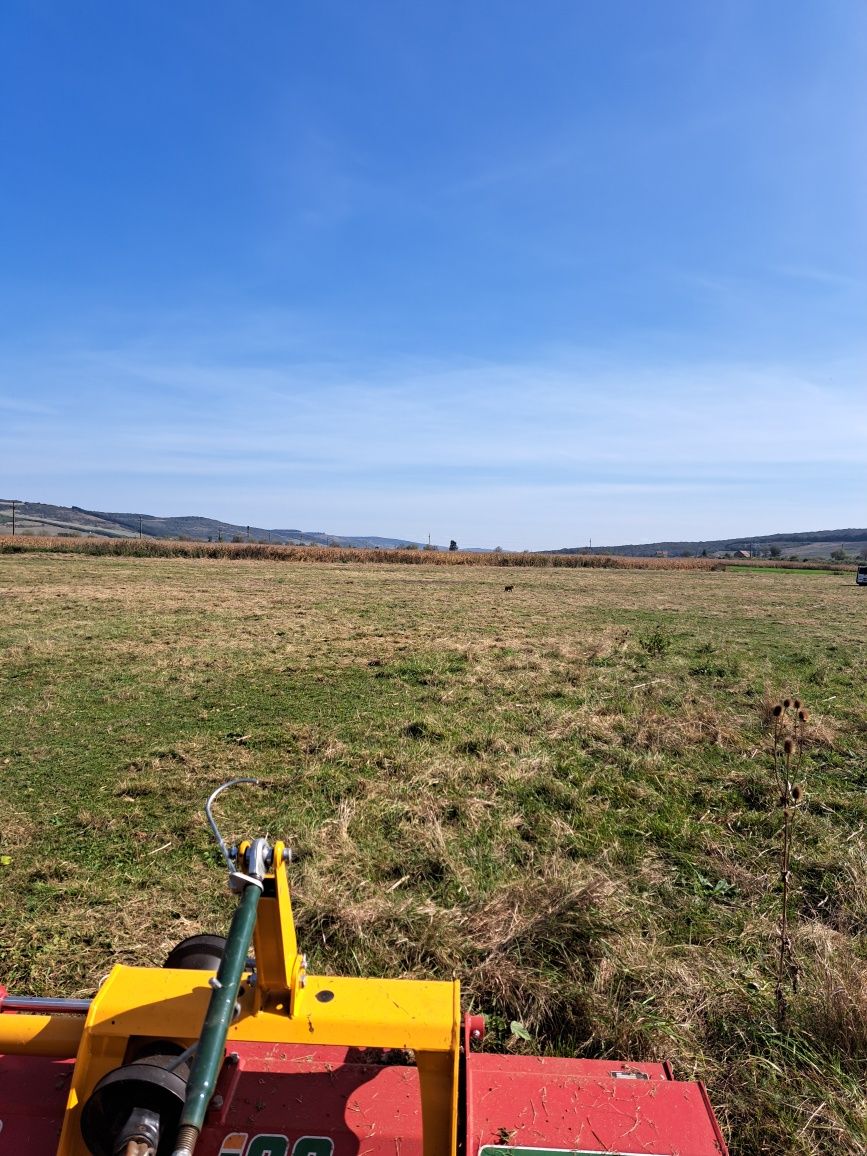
(563, 793)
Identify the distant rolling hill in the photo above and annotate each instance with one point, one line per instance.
(41, 518)
(807, 544)
(44, 519)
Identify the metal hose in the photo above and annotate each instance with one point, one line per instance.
(221, 1008)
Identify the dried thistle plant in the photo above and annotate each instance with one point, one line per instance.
(790, 721)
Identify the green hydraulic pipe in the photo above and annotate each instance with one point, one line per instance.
(212, 1043)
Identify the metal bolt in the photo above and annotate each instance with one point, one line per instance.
(214, 983)
(216, 1101)
(287, 854)
(185, 1144)
(139, 1148)
(475, 1034)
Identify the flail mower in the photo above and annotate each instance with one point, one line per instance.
(224, 1053)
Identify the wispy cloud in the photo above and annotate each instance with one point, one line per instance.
(18, 405)
(644, 444)
(821, 276)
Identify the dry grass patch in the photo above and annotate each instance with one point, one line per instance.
(693, 724)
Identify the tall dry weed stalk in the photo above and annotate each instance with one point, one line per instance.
(790, 720)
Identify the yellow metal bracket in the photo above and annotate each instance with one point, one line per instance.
(279, 967)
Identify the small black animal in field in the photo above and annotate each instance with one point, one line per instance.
(508, 588)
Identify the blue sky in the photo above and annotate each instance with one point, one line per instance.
(518, 274)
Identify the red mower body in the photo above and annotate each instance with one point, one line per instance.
(277, 1100)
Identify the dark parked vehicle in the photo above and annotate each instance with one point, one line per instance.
(861, 576)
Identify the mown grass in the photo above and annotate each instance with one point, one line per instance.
(563, 793)
(792, 567)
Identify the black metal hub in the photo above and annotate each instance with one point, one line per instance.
(198, 953)
(142, 1100)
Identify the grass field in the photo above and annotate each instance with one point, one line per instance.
(563, 793)
(764, 568)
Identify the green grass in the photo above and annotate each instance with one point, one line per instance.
(562, 793)
(769, 567)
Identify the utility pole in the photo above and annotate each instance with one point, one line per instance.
(15, 502)
(248, 533)
(139, 526)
